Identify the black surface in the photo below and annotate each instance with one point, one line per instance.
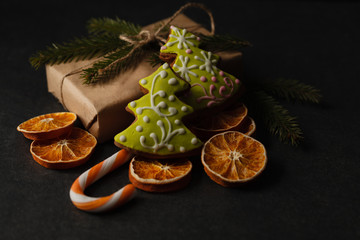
(309, 192)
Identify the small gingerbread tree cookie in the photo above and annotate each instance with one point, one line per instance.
(210, 86)
(158, 130)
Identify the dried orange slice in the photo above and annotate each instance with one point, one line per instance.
(248, 126)
(159, 175)
(48, 126)
(227, 120)
(232, 158)
(66, 152)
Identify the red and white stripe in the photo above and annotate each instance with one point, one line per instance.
(101, 204)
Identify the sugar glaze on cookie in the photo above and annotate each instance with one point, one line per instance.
(210, 87)
(158, 128)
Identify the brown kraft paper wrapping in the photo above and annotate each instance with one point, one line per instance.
(101, 107)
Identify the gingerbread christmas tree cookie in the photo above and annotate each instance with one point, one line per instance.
(210, 86)
(158, 130)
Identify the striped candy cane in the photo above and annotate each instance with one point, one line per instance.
(100, 204)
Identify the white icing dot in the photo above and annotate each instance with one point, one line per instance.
(170, 147)
(153, 135)
(163, 74)
(162, 93)
(146, 119)
(165, 66)
(177, 122)
(172, 81)
(143, 81)
(162, 104)
(133, 104)
(171, 98)
(182, 149)
(172, 110)
(122, 138)
(184, 108)
(139, 128)
(182, 131)
(139, 111)
(194, 141)
(160, 123)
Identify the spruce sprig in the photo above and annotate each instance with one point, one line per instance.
(105, 69)
(103, 39)
(103, 42)
(80, 48)
(262, 98)
(111, 26)
(292, 90)
(217, 43)
(277, 118)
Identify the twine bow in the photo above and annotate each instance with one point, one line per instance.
(143, 38)
(147, 37)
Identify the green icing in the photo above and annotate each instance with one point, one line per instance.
(209, 85)
(158, 128)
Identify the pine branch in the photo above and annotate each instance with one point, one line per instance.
(219, 43)
(154, 59)
(112, 26)
(78, 49)
(276, 118)
(292, 90)
(105, 69)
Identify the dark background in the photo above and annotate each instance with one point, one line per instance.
(308, 192)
